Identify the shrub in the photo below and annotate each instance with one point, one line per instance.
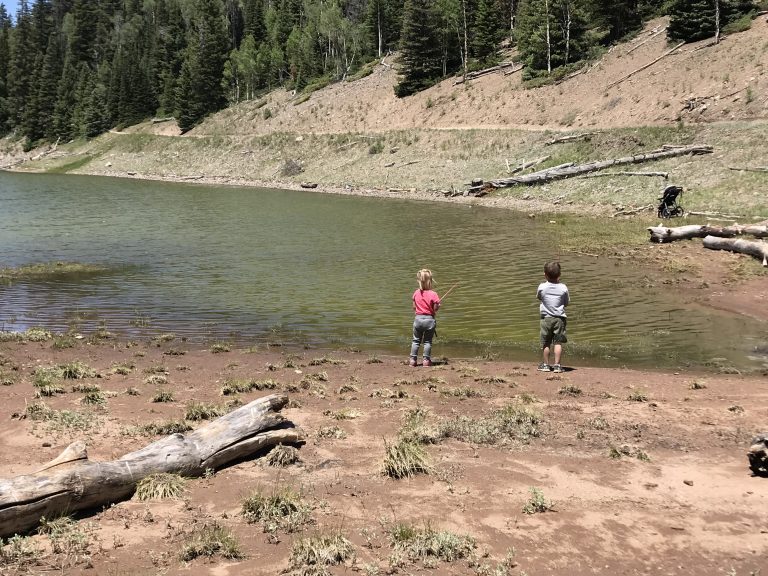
(281, 456)
(537, 502)
(200, 411)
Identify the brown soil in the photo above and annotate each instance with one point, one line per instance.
(694, 508)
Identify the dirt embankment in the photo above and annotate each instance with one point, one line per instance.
(640, 472)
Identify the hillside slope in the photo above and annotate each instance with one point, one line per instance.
(733, 76)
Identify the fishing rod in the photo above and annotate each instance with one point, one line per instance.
(444, 296)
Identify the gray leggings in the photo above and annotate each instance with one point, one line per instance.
(423, 328)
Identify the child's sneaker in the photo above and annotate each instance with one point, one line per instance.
(412, 362)
(544, 368)
(557, 368)
(427, 363)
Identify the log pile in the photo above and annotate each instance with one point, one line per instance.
(72, 482)
(719, 237)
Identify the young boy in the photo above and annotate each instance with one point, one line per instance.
(553, 296)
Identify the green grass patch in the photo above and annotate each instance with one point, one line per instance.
(60, 419)
(70, 166)
(163, 396)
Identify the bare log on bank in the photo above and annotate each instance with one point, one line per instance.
(749, 168)
(664, 234)
(757, 249)
(569, 169)
(570, 138)
(71, 482)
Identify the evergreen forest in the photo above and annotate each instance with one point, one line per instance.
(76, 68)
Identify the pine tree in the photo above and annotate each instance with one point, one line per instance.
(200, 87)
(21, 64)
(5, 54)
(253, 20)
(485, 43)
(383, 24)
(616, 17)
(692, 20)
(421, 58)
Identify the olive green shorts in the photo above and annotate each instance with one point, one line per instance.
(552, 331)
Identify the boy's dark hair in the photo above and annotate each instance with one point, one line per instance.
(552, 270)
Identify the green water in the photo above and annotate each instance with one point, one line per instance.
(270, 265)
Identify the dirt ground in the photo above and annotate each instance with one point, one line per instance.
(655, 485)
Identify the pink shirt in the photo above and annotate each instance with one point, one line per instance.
(426, 302)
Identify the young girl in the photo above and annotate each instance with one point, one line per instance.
(425, 304)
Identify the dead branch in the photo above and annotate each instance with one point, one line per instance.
(646, 40)
(71, 482)
(664, 175)
(749, 168)
(568, 170)
(159, 120)
(757, 249)
(526, 165)
(492, 69)
(667, 53)
(570, 138)
(632, 211)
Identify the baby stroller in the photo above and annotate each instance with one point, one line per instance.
(668, 207)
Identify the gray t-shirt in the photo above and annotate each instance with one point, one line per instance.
(554, 298)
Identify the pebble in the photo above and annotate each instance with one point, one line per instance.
(688, 482)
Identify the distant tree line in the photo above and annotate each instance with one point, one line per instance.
(75, 68)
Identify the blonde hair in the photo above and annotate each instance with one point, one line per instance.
(424, 278)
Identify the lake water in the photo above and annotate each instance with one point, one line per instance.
(215, 262)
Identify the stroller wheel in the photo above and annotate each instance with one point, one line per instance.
(679, 212)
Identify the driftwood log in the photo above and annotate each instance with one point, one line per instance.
(71, 482)
(569, 169)
(663, 234)
(757, 249)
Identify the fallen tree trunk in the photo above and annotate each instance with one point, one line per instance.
(491, 70)
(664, 175)
(568, 170)
(71, 482)
(664, 234)
(757, 249)
(620, 80)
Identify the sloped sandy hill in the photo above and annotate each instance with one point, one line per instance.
(732, 75)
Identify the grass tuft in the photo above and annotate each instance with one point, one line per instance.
(160, 486)
(197, 411)
(284, 509)
(211, 540)
(163, 396)
(281, 456)
(312, 554)
(427, 543)
(569, 390)
(404, 458)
